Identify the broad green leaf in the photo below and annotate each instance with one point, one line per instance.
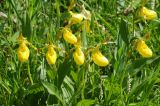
(123, 32)
(137, 65)
(145, 86)
(64, 69)
(74, 76)
(86, 102)
(137, 89)
(15, 9)
(53, 90)
(35, 88)
(26, 26)
(153, 24)
(3, 85)
(67, 89)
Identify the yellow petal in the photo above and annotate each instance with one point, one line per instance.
(78, 56)
(51, 55)
(23, 53)
(148, 14)
(76, 18)
(69, 37)
(143, 49)
(99, 59)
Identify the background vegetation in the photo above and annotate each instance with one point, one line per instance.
(129, 79)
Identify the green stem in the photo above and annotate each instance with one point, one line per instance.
(19, 71)
(58, 13)
(29, 74)
(83, 82)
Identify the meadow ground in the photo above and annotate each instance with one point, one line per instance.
(79, 52)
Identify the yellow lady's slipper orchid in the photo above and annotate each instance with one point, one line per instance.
(51, 55)
(23, 52)
(143, 49)
(75, 18)
(69, 37)
(148, 14)
(99, 59)
(78, 56)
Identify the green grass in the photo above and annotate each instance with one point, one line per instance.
(128, 80)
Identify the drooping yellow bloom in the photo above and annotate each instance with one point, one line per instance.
(78, 56)
(51, 55)
(68, 36)
(75, 18)
(143, 49)
(99, 59)
(148, 14)
(23, 52)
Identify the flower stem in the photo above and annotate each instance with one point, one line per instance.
(29, 74)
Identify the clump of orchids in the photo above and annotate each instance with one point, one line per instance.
(70, 38)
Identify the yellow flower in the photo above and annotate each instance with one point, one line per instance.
(143, 49)
(51, 55)
(99, 59)
(23, 52)
(68, 36)
(148, 14)
(75, 18)
(78, 56)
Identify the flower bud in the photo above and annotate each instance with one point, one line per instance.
(51, 55)
(143, 49)
(99, 59)
(23, 52)
(69, 37)
(78, 56)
